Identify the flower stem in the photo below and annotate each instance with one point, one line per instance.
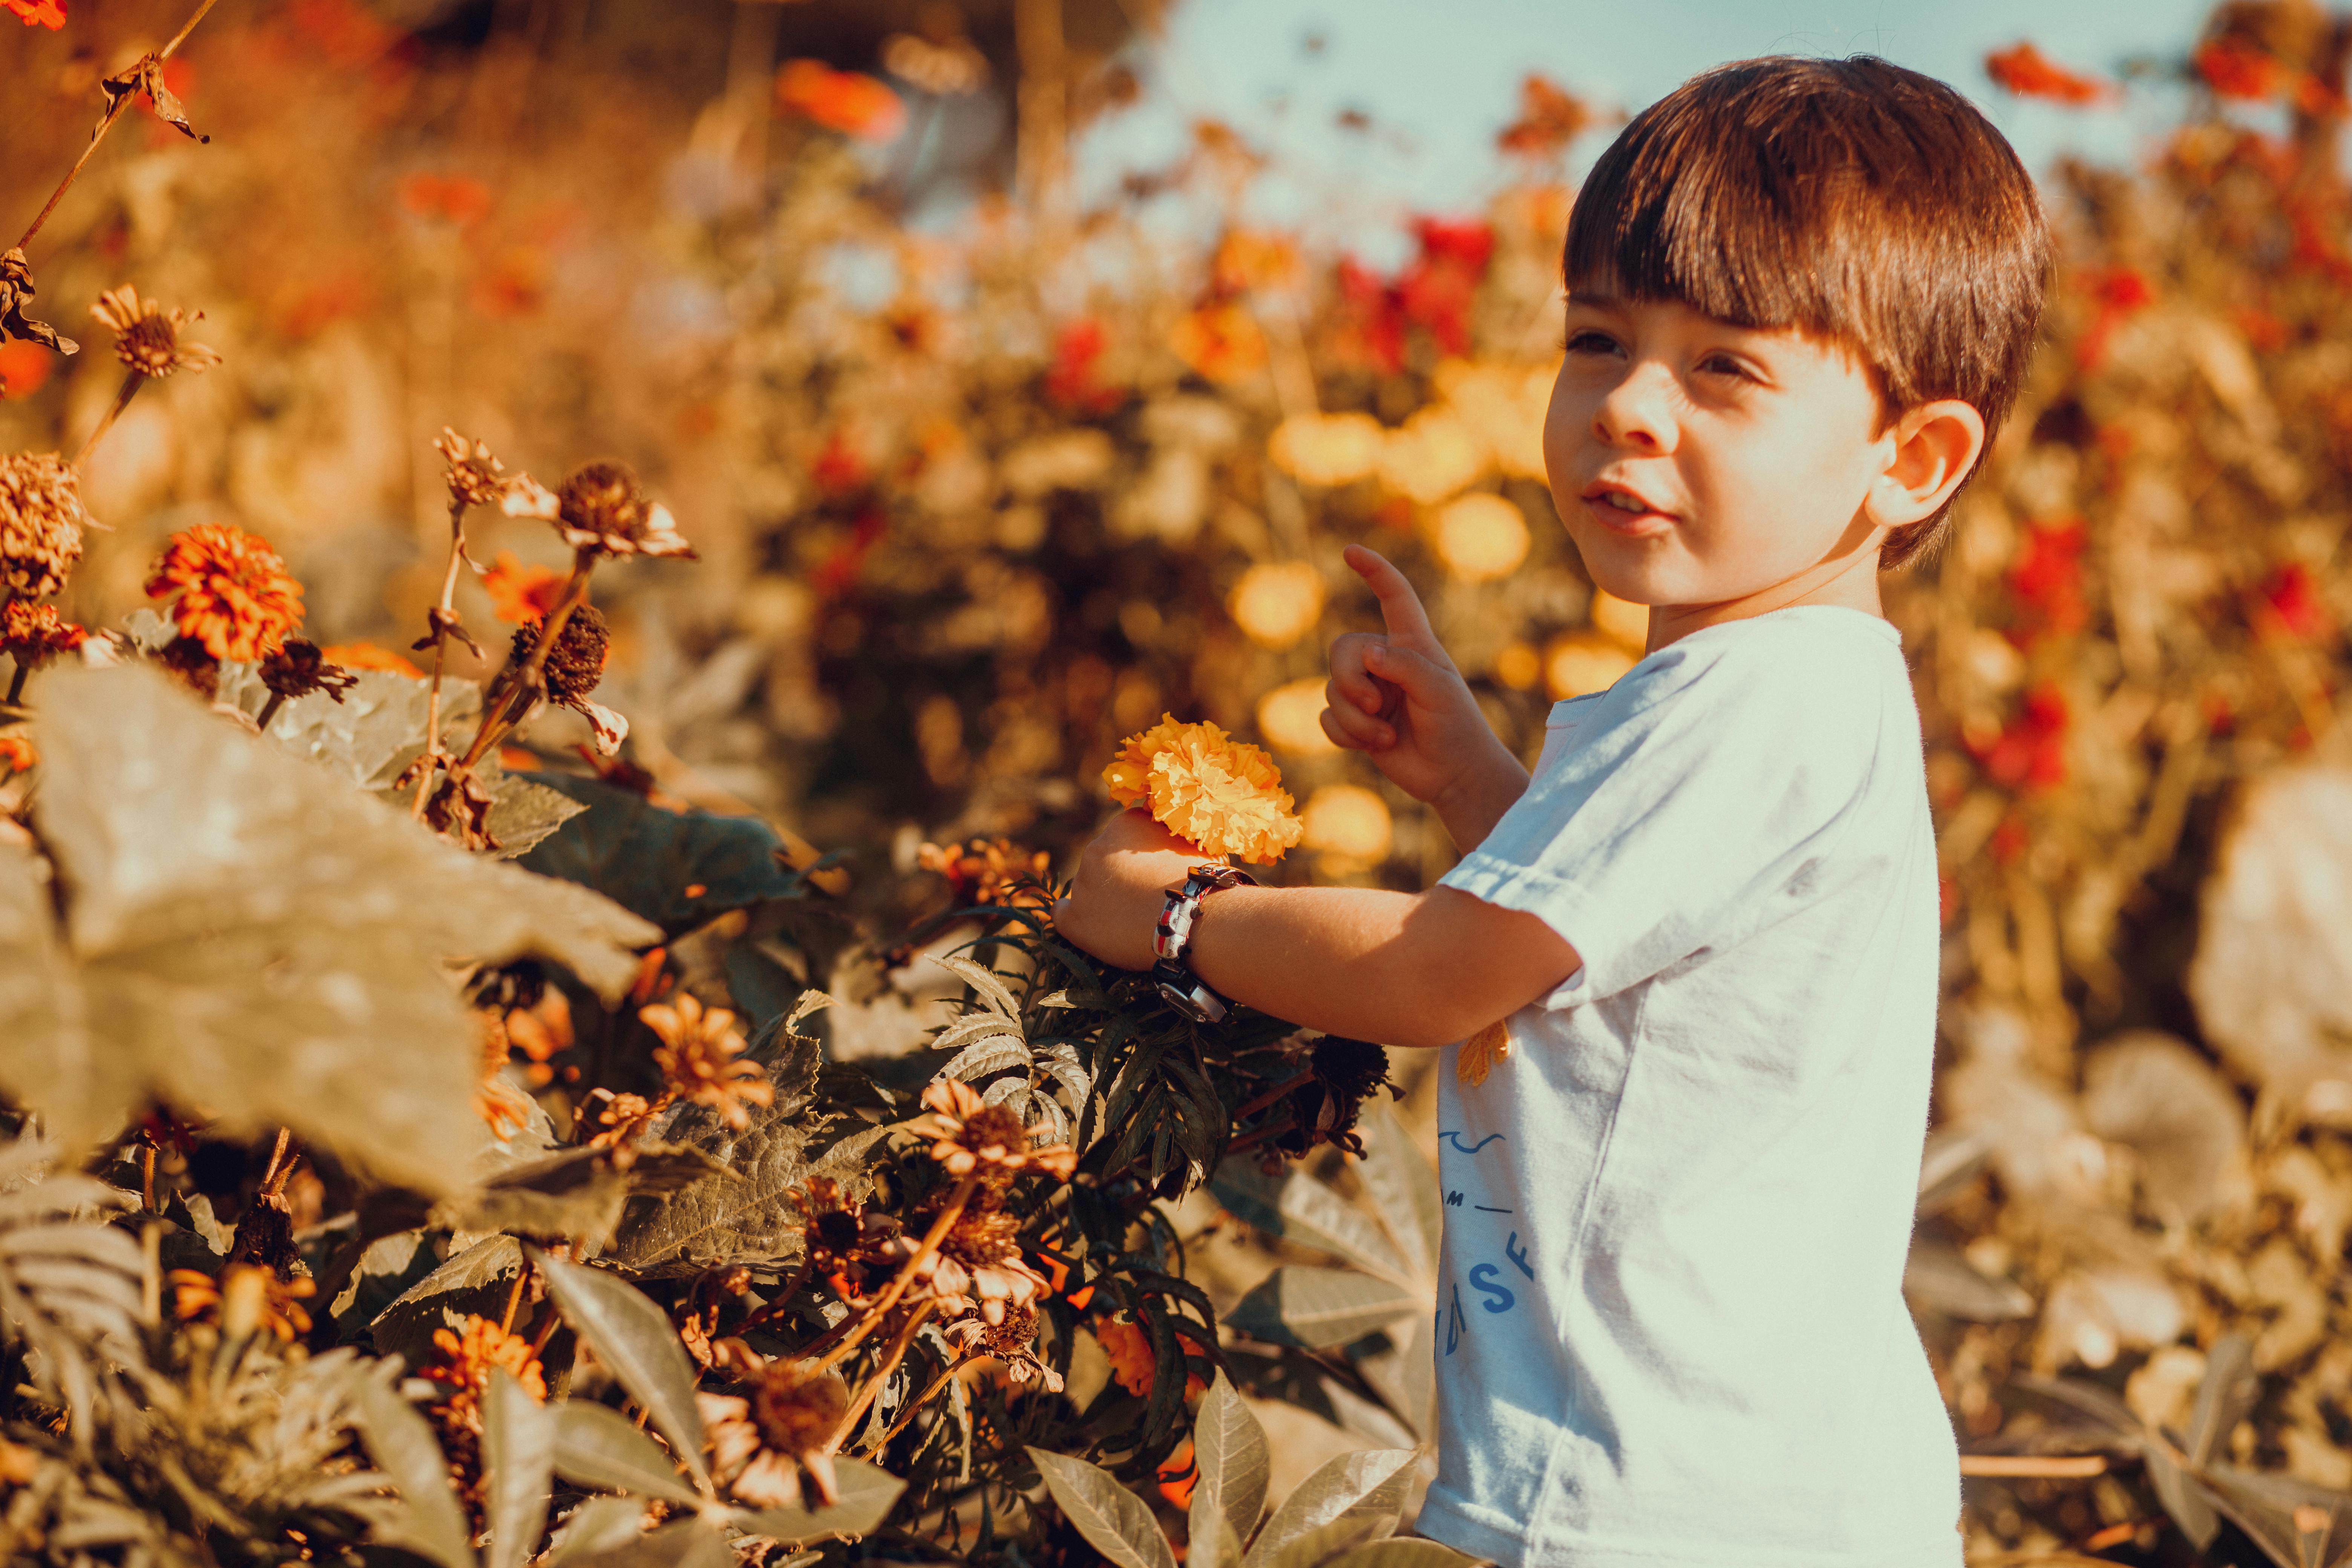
(433, 751)
(282, 1165)
(522, 692)
(16, 683)
(1271, 1095)
(131, 384)
(906, 1275)
(873, 1389)
(1256, 1136)
(915, 1405)
(114, 112)
(268, 711)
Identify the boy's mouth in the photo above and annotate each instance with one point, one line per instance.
(1624, 510)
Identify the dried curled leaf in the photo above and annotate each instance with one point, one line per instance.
(246, 934)
(146, 75)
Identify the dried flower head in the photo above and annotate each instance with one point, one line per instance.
(40, 524)
(1221, 794)
(700, 1058)
(34, 635)
(839, 1232)
(467, 1359)
(476, 478)
(15, 288)
(1012, 1339)
(576, 663)
(624, 1117)
(1324, 1109)
(243, 1291)
(601, 509)
(979, 1266)
(299, 667)
(969, 1136)
(193, 664)
(235, 595)
(522, 592)
(760, 1445)
(147, 336)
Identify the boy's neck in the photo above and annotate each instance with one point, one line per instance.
(1849, 581)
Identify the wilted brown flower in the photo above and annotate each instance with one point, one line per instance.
(15, 288)
(463, 1367)
(1324, 1109)
(600, 509)
(476, 478)
(297, 667)
(146, 75)
(32, 635)
(838, 1232)
(699, 1058)
(40, 524)
(235, 595)
(1012, 1339)
(760, 1445)
(193, 664)
(980, 1259)
(576, 663)
(249, 1291)
(148, 335)
(969, 1136)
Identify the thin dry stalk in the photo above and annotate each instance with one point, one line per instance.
(521, 692)
(906, 1275)
(114, 111)
(873, 1387)
(131, 384)
(915, 1405)
(434, 754)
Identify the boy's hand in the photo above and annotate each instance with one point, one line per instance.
(1123, 876)
(1397, 697)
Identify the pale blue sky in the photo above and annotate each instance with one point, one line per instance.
(1440, 77)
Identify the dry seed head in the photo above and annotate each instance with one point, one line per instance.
(40, 524)
(32, 635)
(796, 1410)
(147, 336)
(298, 667)
(576, 663)
(601, 509)
(476, 478)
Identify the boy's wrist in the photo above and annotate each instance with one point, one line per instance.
(1479, 795)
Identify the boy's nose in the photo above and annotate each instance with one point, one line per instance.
(1638, 411)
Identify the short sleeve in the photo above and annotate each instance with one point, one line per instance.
(1689, 803)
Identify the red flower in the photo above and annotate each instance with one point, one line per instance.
(1072, 382)
(2032, 751)
(1436, 292)
(2029, 73)
(50, 13)
(23, 368)
(2119, 292)
(2047, 580)
(1370, 327)
(522, 592)
(2289, 606)
(2233, 69)
(846, 102)
(840, 468)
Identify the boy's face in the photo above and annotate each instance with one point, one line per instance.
(1697, 463)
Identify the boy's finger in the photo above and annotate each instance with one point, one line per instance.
(1358, 734)
(1400, 605)
(1350, 683)
(1421, 679)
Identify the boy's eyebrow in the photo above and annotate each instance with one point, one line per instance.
(1594, 299)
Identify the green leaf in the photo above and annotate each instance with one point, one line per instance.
(1114, 1522)
(1368, 1484)
(596, 1446)
(1403, 1185)
(1230, 1447)
(577, 1193)
(1324, 1541)
(696, 1543)
(472, 1280)
(598, 1525)
(987, 982)
(524, 813)
(645, 859)
(633, 1337)
(2297, 1524)
(1319, 1307)
(1300, 1208)
(749, 1220)
(247, 933)
(1405, 1554)
(368, 737)
(866, 1494)
(401, 1441)
(518, 1469)
(1214, 1544)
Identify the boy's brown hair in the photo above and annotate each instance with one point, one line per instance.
(1850, 199)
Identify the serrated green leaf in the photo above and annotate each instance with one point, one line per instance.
(1230, 1447)
(865, 1494)
(633, 1337)
(429, 1521)
(984, 1057)
(1370, 1483)
(596, 1446)
(518, 1469)
(1300, 1208)
(990, 987)
(749, 1220)
(1319, 1307)
(247, 933)
(1114, 1522)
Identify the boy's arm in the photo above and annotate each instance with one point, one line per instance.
(1402, 969)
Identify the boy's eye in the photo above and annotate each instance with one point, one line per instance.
(1724, 364)
(1590, 342)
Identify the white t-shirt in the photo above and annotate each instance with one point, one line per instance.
(1671, 1329)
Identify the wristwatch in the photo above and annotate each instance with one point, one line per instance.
(1185, 990)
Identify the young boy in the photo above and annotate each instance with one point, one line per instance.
(1671, 1331)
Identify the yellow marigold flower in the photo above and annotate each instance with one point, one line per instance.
(1221, 794)
(465, 1361)
(235, 596)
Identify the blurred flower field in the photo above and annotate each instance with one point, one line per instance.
(974, 498)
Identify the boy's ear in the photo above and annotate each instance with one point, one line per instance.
(1934, 446)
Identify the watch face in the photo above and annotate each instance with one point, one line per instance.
(1182, 1002)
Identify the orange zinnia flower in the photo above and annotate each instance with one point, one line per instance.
(846, 101)
(235, 596)
(2029, 73)
(16, 754)
(521, 591)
